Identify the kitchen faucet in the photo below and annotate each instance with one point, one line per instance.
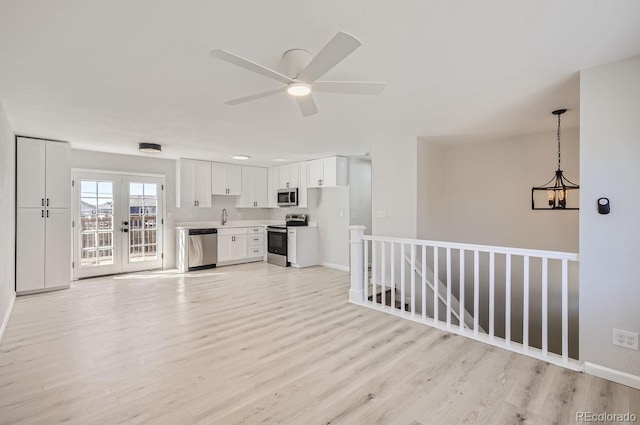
(224, 216)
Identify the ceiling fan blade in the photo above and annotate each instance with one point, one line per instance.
(251, 66)
(307, 105)
(340, 46)
(245, 99)
(350, 87)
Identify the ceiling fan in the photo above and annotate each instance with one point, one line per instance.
(300, 73)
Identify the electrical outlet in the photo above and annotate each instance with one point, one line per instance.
(625, 339)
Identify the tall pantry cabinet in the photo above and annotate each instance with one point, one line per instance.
(43, 215)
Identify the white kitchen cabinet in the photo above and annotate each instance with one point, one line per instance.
(274, 185)
(254, 188)
(30, 249)
(193, 183)
(58, 176)
(57, 248)
(43, 216)
(289, 176)
(226, 179)
(232, 247)
(327, 172)
(44, 174)
(232, 244)
(302, 189)
(302, 246)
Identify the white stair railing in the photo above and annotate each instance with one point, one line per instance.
(452, 300)
(389, 272)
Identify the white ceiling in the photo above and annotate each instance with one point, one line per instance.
(106, 75)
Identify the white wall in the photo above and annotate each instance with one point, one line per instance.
(481, 192)
(146, 164)
(7, 217)
(360, 192)
(394, 187)
(610, 244)
(431, 214)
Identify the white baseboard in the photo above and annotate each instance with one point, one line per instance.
(5, 319)
(336, 266)
(614, 375)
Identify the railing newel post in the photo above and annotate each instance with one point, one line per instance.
(358, 262)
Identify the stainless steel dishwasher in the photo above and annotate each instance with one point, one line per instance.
(203, 248)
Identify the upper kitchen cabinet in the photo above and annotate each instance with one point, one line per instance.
(226, 179)
(327, 172)
(254, 188)
(289, 176)
(274, 185)
(43, 174)
(193, 183)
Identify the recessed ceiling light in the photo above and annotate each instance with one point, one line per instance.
(149, 147)
(299, 89)
(241, 157)
(280, 160)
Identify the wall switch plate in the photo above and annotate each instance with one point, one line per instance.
(169, 214)
(625, 339)
(382, 214)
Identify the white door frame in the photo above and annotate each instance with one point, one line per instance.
(76, 173)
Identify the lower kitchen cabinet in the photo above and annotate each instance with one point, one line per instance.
(240, 245)
(43, 253)
(302, 246)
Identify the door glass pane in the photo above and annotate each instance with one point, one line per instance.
(143, 204)
(96, 223)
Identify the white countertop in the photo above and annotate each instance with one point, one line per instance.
(232, 224)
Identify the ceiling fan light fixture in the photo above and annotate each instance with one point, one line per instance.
(299, 89)
(149, 147)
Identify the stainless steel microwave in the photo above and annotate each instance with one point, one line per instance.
(288, 197)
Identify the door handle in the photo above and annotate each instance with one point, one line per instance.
(125, 230)
(47, 201)
(125, 223)
(42, 202)
(42, 213)
(47, 213)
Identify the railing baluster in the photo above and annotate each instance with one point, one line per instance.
(383, 264)
(424, 282)
(402, 278)
(374, 275)
(366, 271)
(393, 275)
(492, 293)
(476, 291)
(448, 286)
(461, 296)
(525, 304)
(507, 301)
(413, 279)
(545, 297)
(436, 285)
(565, 310)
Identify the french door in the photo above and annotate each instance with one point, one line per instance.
(117, 223)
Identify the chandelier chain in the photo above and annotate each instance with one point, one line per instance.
(559, 141)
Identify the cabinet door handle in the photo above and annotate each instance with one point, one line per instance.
(42, 213)
(43, 202)
(47, 201)
(47, 213)
(287, 185)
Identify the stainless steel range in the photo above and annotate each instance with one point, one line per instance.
(277, 238)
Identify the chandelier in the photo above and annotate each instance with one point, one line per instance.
(556, 194)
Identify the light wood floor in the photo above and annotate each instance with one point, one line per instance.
(257, 344)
